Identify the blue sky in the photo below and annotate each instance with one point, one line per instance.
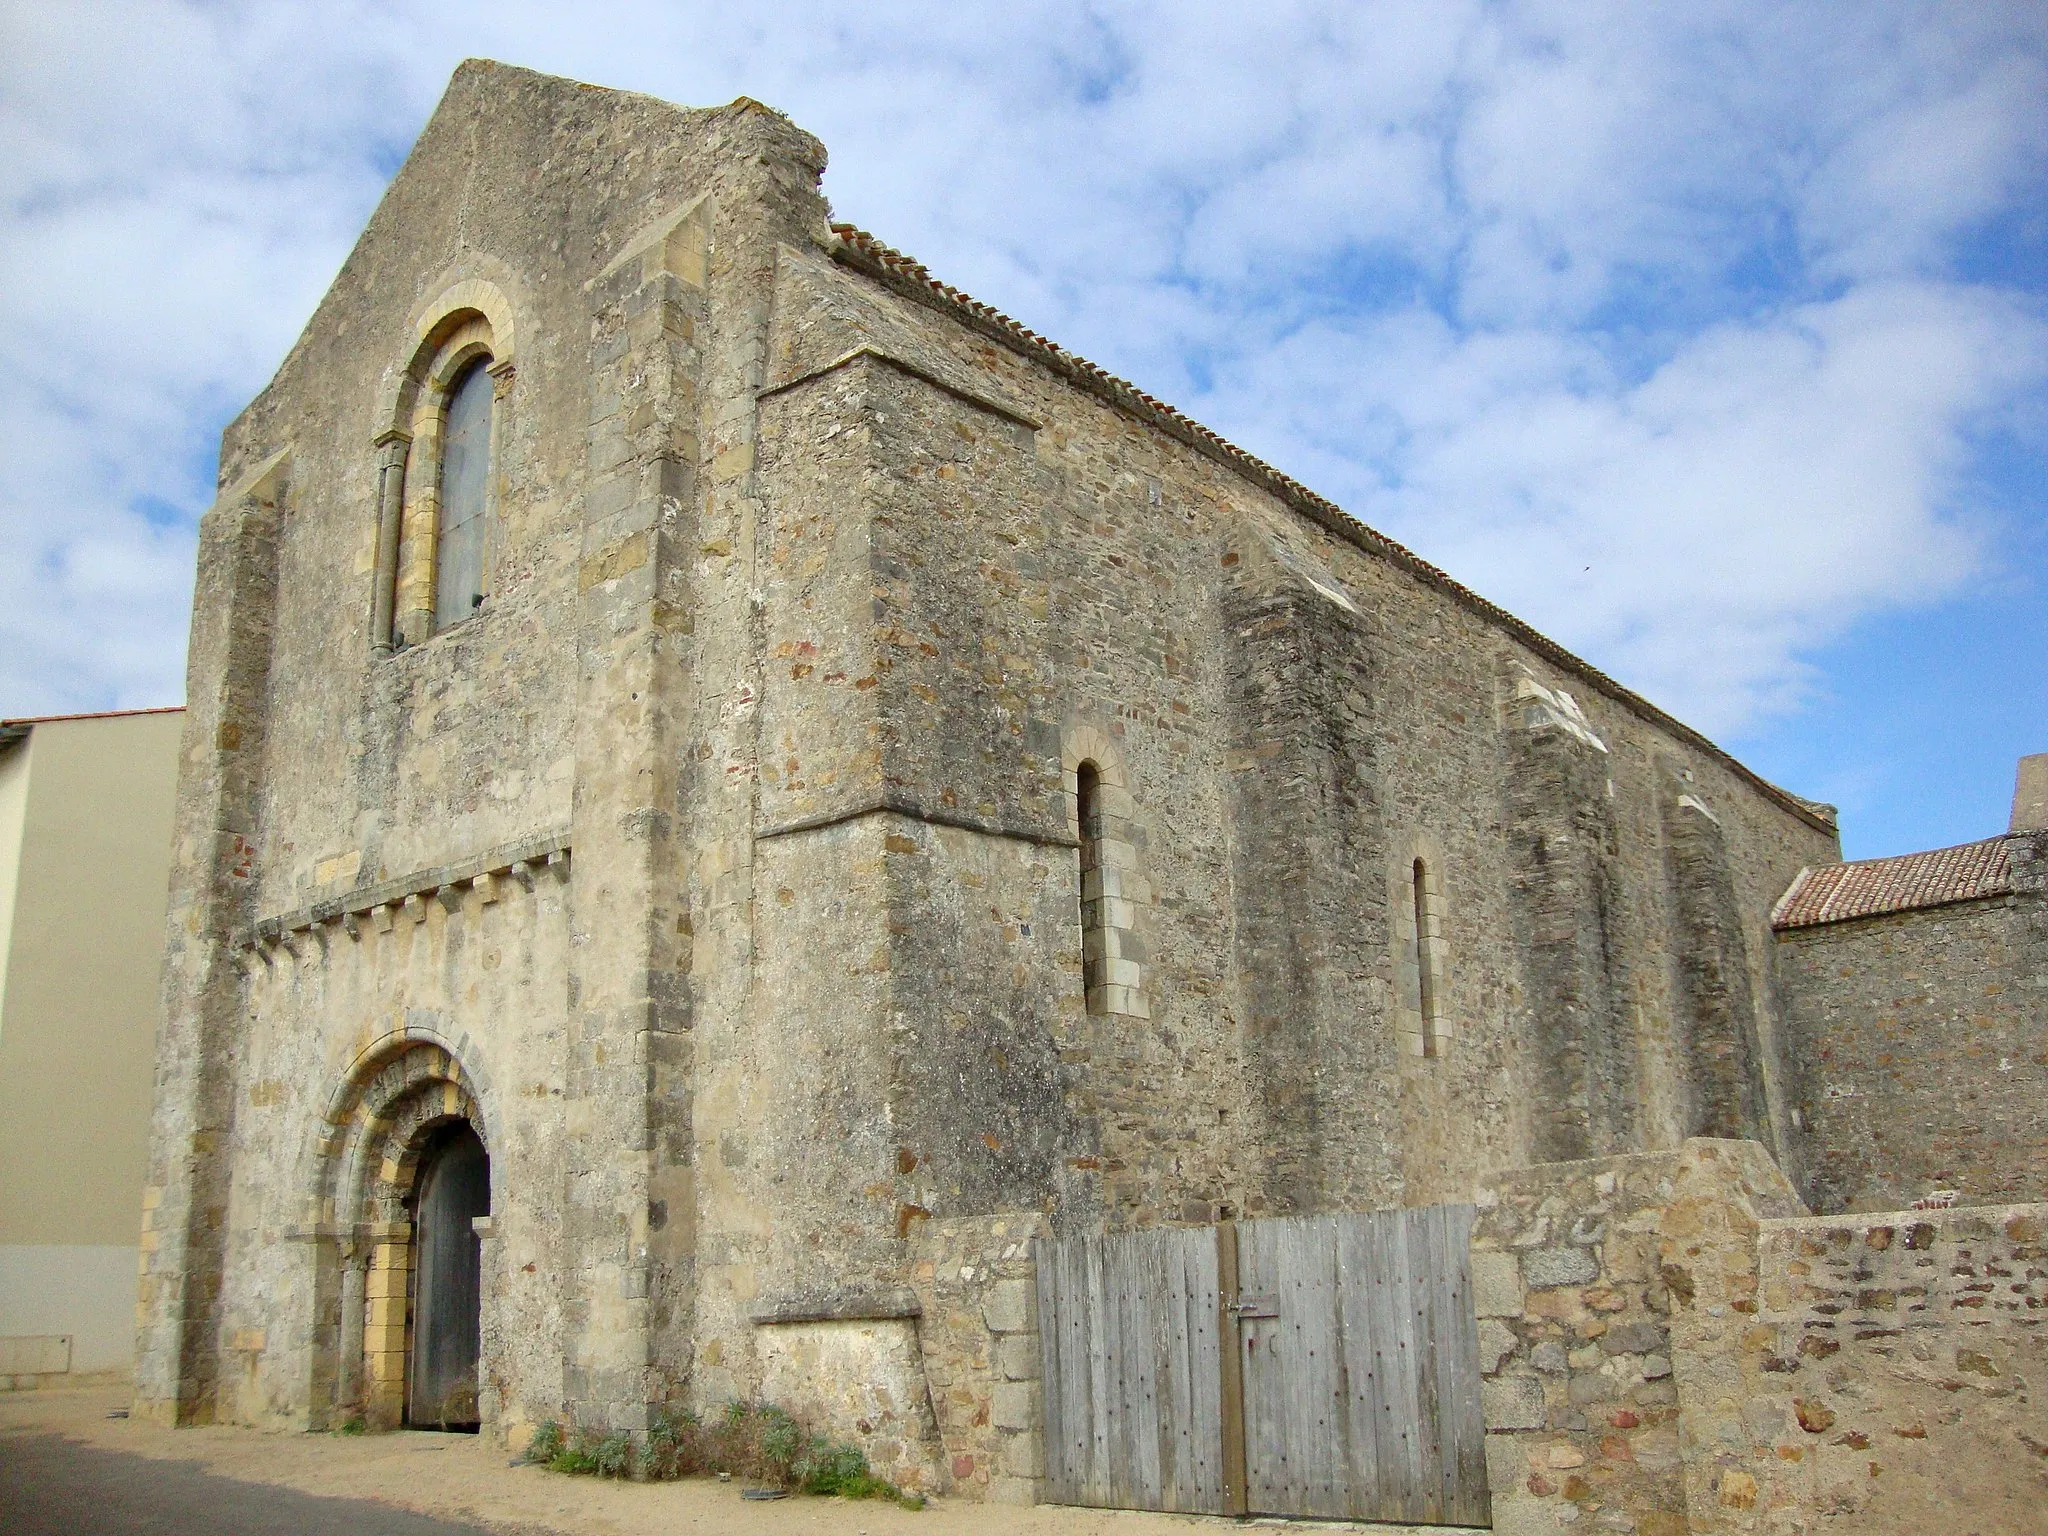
(1711, 338)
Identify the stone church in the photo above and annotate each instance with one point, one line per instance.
(728, 786)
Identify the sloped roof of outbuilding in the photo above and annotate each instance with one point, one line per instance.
(1836, 893)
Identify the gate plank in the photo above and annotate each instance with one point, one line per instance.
(1468, 1500)
(1426, 1262)
(1364, 1366)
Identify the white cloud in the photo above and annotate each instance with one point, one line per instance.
(1694, 531)
(1667, 291)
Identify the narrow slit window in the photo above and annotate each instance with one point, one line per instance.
(465, 483)
(1088, 805)
(1428, 957)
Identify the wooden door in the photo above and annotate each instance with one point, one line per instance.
(1360, 1365)
(454, 1188)
(1316, 1366)
(1129, 1331)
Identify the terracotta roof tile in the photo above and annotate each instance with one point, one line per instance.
(1835, 893)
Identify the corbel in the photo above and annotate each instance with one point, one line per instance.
(450, 897)
(487, 888)
(352, 925)
(558, 864)
(416, 908)
(522, 872)
(380, 917)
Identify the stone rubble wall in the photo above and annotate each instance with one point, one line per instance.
(1875, 1374)
(976, 1281)
(1919, 1042)
(1575, 1292)
(1670, 1346)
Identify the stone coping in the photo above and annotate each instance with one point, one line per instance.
(910, 810)
(891, 1304)
(1938, 1216)
(867, 350)
(550, 851)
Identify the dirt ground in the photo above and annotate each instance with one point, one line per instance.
(466, 1478)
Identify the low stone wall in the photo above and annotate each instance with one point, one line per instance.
(1669, 1345)
(1574, 1283)
(1672, 1347)
(975, 1282)
(1874, 1374)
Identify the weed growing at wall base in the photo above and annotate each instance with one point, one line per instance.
(754, 1441)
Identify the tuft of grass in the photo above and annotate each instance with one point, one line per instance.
(353, 1426)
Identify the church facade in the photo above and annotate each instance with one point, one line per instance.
(715, 761)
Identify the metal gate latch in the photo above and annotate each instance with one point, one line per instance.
(1255, 1306)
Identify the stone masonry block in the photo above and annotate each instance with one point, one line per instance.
(1017, 1357)
(1546, 1268)
(1016, 1405)
(1013, 1490)
(1497, 1284)
(1496, 1343)
(1023, 1456)
(1512, 1402)
(1009, 1308)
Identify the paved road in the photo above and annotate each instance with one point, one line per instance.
(50, 1486)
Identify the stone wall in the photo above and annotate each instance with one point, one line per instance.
(1873, 1374)
(1019, 559)
(1671, 1346)
(977, 1285)
(1577, 1268)
(1921, 1043)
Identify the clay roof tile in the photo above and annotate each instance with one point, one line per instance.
(1836, 893)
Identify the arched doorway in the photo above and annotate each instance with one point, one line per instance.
(452, 1189)
(405, 1154)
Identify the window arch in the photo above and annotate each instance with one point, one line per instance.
(1421, 958)
(435, 505)
(464, 492)
(1113, 893)
(1088, 821)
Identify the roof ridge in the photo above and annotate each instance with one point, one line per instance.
(859, 249)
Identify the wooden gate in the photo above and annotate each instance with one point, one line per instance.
(1323, 1366)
